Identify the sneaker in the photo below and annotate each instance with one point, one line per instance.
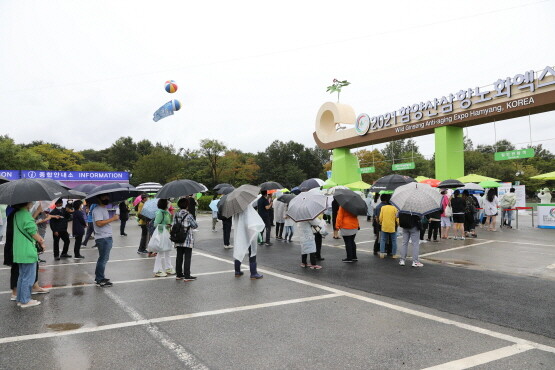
(179, 277)
(402, 262)
(13, 298)
(31, 303)
(417, 264)
(124, 234)
(256, 276)
(396, 256)
(315, 267)
(42, 291)
(57, 258)
(65, 255)
(346, 260)
(268, 244)
(428, 240)
(382, 255)
(355, 259)
(190, 278)
(424, 241)
(239, 274)
(228, 246)
(79, 257)
(104, 283)
(462, 238)
(42, 261)
(142, 252)
(304, 265)
(160, 274)
(170, 271)
(320, 258)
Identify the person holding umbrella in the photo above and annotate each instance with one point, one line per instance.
(264, 205)
(59, 228)
(103, 238)
(143, 223)
(25, 236)
(123, 217)
(227, 223)
(162, 265)
(184, 250)
(347, 224)
(78, 228)
(388, 226)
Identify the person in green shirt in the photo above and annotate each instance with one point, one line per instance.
(163, 264)
(25, 237)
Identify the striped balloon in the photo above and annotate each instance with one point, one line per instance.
(171, 86)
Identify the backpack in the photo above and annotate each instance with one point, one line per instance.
(178, 232)
(408, 221)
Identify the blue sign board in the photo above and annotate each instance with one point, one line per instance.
(76, 175)
(10, 174)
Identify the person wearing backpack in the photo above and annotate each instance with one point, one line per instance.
(182, 235)
(162, 264)
(411, 226)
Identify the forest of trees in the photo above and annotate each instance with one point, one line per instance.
(286, 162)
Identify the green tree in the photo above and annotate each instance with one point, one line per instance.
(96, 166)
(59, 159)
(15, 157)
(239, 168)
(91, 155)
(122, 155)
(212, 151)
(159, 166)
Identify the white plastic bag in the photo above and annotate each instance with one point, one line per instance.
(160, 241)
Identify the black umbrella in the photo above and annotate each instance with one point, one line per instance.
(390, 182)
(225, 190)
(224, 185)
(117, 192)
(3, 180)
(286, 198)
(270, 185)
(450, 184)
(85, 188)
(28, 190)
(306, 185)
(55, 182)
(180, 188)
(351, 201)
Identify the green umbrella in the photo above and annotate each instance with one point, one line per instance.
(476, 178)
(421, 178)
(358, 185)
(329, 184)
(545, 176)
(489, 184)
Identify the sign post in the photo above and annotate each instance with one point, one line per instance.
(367, 170)
(403, 166)
(514, 154)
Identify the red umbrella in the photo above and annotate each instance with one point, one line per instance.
(432, 182)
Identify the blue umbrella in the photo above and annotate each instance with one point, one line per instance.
(214, 205)
(150, 207)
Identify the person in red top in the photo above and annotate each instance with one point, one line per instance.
(347, 223)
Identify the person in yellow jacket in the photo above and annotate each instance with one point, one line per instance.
(389, 221)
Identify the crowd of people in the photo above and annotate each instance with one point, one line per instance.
(26, 227)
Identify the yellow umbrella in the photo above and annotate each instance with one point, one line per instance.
(545, 176)
(358, 185)
(476, 178)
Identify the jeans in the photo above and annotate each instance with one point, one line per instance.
(227, 230)
(508, 215)
(383, 238)
(268, 230)
(104, 248)
(122, 227)
(350, 246)
(14, 275)
(183, 266)
(288, 233)
(77, 245)
(64, 236)
(144, 238)
(27, 274)
(414, 235)
(90, 231)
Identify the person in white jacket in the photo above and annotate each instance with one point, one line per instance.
(490, 209)
(507, 203)
(279, 217)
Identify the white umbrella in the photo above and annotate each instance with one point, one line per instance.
(306, 206)
(417, 198)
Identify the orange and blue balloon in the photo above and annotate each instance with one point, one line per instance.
(171, 86)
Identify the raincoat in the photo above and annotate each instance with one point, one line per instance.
(306, 236)
(248, 224)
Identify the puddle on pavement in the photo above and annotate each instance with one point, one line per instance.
(64, 326)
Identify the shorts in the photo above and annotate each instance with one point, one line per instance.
(445, 221)
(458, 218)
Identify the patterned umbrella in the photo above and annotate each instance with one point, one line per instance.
(415, 198)
(239, 199)
(306, 206)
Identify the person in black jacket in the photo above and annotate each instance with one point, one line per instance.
(78, 228)
(123, 217)
(59, 229)
(227, 222)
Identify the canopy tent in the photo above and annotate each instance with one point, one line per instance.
(545, 176)
(471, 177)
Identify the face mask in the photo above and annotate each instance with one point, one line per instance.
(58, 207)
(105, 201)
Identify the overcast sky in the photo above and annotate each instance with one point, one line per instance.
(83, 73)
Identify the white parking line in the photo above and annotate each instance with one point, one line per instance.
(22, 338)
(456, 248)
(130, 281)
(409, 311)
(483, 358)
